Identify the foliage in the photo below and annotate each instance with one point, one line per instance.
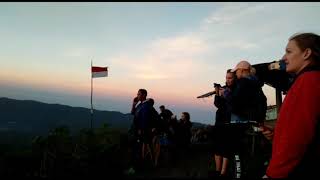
(88, 153)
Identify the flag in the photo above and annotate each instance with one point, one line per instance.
(99, 71)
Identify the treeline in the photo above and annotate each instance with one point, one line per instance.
(98, 152)
(103, 151)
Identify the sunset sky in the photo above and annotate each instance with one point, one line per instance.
(175, 50)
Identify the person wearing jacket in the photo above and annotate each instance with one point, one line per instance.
(223, 114)
(296, 137)
(248, 103)
(248, 100)
(142, 109)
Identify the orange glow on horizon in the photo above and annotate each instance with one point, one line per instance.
(116, 89)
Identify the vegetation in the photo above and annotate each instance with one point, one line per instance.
(86, 154)
(103, 152)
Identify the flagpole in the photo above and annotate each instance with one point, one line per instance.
(91, 99)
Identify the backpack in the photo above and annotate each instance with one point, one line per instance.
(155, 118)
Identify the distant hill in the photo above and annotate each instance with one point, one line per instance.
(38, 117)
(198, 125)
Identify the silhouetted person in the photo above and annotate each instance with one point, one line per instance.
(222, 101)
(165, 116)
(142, 124)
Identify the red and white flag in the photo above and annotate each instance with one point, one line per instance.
(99, 71)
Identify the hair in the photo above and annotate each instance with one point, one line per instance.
(143, 91)
(233, 73)
(251, 70)
(162, 107)
(151, 101)
(308, 40)
(187, 115)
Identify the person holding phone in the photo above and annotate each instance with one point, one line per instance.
(142, 111)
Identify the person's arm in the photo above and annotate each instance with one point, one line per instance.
(219, 101)
(297, 128)
(134, 103)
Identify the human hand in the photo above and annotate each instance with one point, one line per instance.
(265, 177)
(221, 91)
(217, 90)
(135, 100)
(267, 131)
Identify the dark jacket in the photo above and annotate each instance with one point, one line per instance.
(165, 118)
(248, 100)
(223, 103)
(184, 132)
(143, 116)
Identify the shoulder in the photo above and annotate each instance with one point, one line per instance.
(168, 111)
(309, 79)
(311, 76)
(145, 105)
(306, 87)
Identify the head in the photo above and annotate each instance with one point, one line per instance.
(185, 116)
(150, 101)
(230, 78)
(243, 69)
(162, 108)
(302, 50)
(142, 94)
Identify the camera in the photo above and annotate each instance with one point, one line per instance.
(277, 65)
(216, 85)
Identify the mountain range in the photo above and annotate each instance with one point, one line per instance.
(38, 117)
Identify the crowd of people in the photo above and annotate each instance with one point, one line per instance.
(154, 131)
(296, 136)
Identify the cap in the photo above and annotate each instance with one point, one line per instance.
(242, 65)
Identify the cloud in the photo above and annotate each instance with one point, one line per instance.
(164, 58)
(183, 45)
(193, 60)
(225, 15)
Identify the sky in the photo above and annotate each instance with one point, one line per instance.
(175, 50)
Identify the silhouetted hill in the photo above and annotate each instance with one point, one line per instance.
(38, 117)
(198, 125)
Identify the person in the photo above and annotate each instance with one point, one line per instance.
(142, 124)
(166, 126)
(152, 147)
(183, 132)
(183, 139)
(142, 114)
(248, 104)
(223, 114)
(296, 137)
(165, 117)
